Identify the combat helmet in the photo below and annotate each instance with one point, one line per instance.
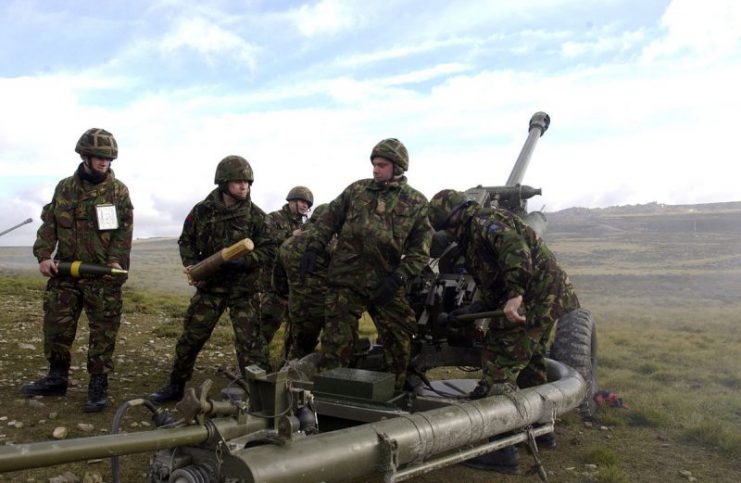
(393, 150)
(97, 142)
(301, 193)
(233, 168)
(444, 205)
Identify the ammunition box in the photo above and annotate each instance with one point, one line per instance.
(356, 384)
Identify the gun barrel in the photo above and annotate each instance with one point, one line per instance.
(49, 453)
(25, 222)
(538, 126)
(78, 269)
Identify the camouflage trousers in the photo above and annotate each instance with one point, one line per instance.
(515, 353)
(273, 312)
(64, 301)
(395, 323)
(306, 318)
(201, 318)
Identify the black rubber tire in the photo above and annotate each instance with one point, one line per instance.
(575, 345)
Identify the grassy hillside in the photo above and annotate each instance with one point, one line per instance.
(665, 298)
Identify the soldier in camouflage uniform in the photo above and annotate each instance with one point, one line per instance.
(226, 216)
(383, 240)
(513, 269)
(306, 295)
(274, 306)
(74, 225)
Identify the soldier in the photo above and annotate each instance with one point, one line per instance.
(383, 240)
(273, 306)
(226, 216)
(513, 269)
(306, 295)
(89, 219)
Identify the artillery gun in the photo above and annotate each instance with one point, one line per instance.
(350, 423)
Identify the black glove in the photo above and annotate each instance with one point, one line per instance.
(388, 288)
(238, 265)
(308, 262)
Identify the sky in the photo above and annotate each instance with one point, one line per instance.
(643, 98)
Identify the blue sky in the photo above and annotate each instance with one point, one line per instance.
(642, 95)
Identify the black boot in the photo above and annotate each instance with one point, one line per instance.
(504, 460)
(97, 393)
(55, 384)
(173, 391)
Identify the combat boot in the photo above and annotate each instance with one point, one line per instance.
(55, 384)
(173, 391)
(97, 393)
(504, 461)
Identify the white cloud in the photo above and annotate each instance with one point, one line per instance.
(328, 17)
(709, 29)
(209, 40)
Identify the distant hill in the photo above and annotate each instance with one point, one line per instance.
(650, 217)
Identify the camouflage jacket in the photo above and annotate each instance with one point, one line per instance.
(70, 223)
(382, 229)
(282, 224)
(506, 259)
(287, 269)
(211, 226)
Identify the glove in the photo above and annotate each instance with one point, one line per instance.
(308, 262)
(238, 265)
(388, 288)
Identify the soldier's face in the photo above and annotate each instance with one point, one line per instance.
(99, 165)
(239, 189)
(383, 169)
(299, 206)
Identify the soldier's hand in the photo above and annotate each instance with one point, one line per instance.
(388, 288)
(48, 267)
(511, 309)
(112, 265)
(308, 262)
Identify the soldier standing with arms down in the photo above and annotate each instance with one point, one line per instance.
(513, 269)
(274, 306)
(90, 219)
(383, 240)
(226, 216)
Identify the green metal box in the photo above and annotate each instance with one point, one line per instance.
(356, 384)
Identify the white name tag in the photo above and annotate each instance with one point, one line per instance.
(107, 217)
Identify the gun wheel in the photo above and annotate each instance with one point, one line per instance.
(575, 345)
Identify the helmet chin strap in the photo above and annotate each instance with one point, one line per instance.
(90, 174)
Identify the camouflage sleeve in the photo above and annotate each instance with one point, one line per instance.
(280, 278)
(329, 223)
(266, 243)
(187, 240)
(46, 236)
(513, 255)
(119, 249)
(417, 246)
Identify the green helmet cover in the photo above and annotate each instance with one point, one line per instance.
(393, 150)
(97, 142)
(233, 168)
(301, 193)
(444, 205)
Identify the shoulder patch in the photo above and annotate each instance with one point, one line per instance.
(493, 228)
